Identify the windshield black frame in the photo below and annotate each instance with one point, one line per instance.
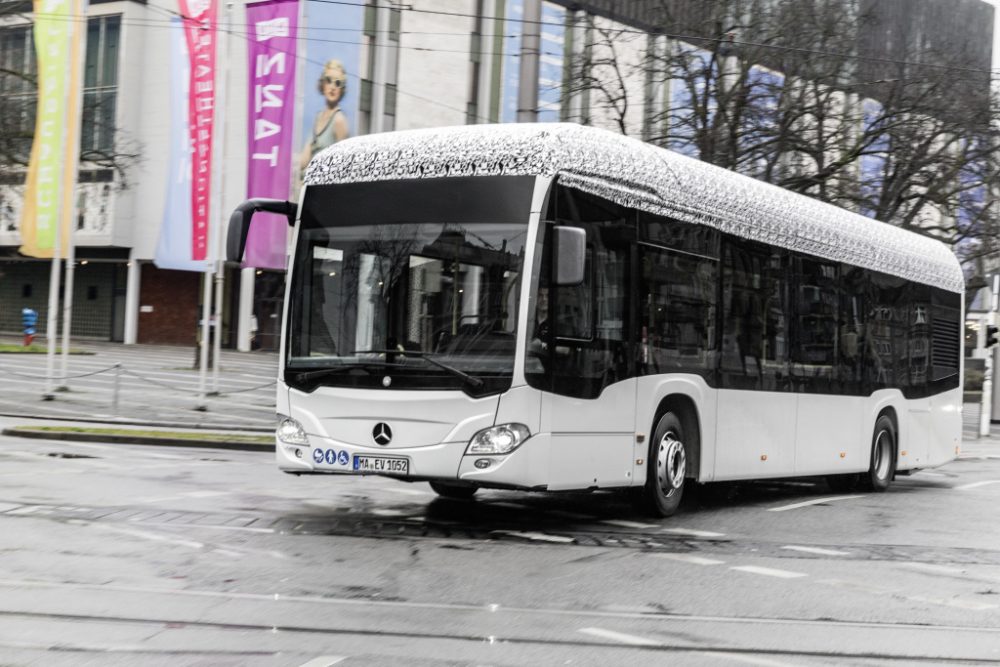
(465, 228)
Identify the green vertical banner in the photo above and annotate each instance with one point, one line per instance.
(54, 38)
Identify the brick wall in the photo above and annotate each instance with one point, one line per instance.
(174, 297)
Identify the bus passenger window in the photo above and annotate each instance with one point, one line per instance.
(755, 304)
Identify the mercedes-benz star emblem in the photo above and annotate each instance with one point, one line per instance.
(382, 434)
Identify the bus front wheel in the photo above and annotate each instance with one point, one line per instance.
(665, 467)
(459, 491)
(882, 466)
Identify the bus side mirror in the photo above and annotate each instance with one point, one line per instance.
(570, 255)
(239, 222)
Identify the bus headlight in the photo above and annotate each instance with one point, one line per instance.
(290, 432)
(500, 439)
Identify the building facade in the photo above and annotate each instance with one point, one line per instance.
(427, 63)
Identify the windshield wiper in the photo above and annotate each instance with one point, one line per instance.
(304, 376)
(429, 357)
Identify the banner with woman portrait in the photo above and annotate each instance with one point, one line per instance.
(335, 42)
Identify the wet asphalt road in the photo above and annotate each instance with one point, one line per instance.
(126, 555)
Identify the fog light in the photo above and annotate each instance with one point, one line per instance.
(298, 453)
(482, 464)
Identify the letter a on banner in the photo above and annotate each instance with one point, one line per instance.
(52, 168)
(200, 19)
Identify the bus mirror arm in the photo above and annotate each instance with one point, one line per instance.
(570, 255)
(239, 222)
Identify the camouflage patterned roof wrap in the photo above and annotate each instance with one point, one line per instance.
(639, 175)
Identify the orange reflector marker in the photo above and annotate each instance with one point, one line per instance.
(763, 457)
(843, 455)
(638, 462)
(903, 453)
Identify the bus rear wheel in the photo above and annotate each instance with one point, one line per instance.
(882, 466)
(458, 491)
(666, 467)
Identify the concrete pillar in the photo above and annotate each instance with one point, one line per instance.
(132, 284)
(244, 316)
(531, 44)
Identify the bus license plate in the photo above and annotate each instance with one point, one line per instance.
(384, 464)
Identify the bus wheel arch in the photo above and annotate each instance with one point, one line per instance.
(684, 407)
(671, 454)
(883, 453)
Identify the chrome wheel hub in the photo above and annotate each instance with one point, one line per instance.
(671, 464)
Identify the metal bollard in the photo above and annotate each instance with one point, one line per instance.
(118, 381)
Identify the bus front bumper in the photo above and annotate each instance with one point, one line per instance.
(526, 467)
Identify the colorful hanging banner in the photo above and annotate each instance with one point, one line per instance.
(173, 250)
(52, 169)
(271, 105)
(199, 18)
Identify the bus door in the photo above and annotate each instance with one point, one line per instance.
(589, 403)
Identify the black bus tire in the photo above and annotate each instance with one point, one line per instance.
(666, 467)
(882, 461)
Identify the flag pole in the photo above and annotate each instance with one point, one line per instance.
(220, 260)
(73, 123)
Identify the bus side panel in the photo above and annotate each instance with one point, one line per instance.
(830, 435)
(946, 427)
(591, 439)
(756, 434)
(650, 391)
(913, 452)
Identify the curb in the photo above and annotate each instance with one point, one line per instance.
(125, 421)
(138, 440)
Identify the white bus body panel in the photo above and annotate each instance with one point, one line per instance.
(831, 434)
(755, 434)
(591, 439)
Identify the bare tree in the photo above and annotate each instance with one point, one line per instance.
(787, 91)
(18, 104)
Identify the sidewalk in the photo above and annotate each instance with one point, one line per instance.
(148, 385)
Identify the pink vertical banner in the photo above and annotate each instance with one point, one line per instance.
(271, 102)
(200, 19)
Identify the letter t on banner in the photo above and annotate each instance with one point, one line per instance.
(272, 50)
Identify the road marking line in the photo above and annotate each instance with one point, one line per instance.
(769, 572)
(324, 661)
(937, 569)
(630, 524)
(815, 501)
(691, 532)
(746, 659)
(146, 535)
(539, 537)
(405, 491)
(816, 550)
(571, 515)
(180, 524)
(976, 485)
(513, 506)
(620, 637)
(958, 603)
(688, 558)
(388, 512)
(931, 474)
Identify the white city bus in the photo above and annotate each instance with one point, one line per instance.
(556, 307)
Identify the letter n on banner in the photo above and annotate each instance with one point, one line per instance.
(272, 60)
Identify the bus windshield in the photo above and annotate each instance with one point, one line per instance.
(407, 305)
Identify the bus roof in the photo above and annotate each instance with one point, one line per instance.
(639, 175)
